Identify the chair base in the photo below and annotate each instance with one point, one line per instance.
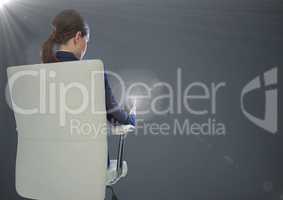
(112, 174)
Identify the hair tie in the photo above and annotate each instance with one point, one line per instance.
(66, 34)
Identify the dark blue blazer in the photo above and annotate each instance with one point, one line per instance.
(118, 115)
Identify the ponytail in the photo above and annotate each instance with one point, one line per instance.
(47, 54)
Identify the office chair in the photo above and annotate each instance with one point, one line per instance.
(55, 160)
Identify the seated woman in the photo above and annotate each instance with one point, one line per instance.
(71, 35)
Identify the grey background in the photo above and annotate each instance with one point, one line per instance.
(212, 41)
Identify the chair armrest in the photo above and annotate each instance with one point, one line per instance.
(122, 129)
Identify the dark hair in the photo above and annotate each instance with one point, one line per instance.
(65, 26)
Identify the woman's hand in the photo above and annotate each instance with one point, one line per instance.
(134, 108)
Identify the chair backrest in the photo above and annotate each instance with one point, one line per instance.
(61, 124)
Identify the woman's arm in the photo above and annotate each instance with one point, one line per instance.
(114, 113)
